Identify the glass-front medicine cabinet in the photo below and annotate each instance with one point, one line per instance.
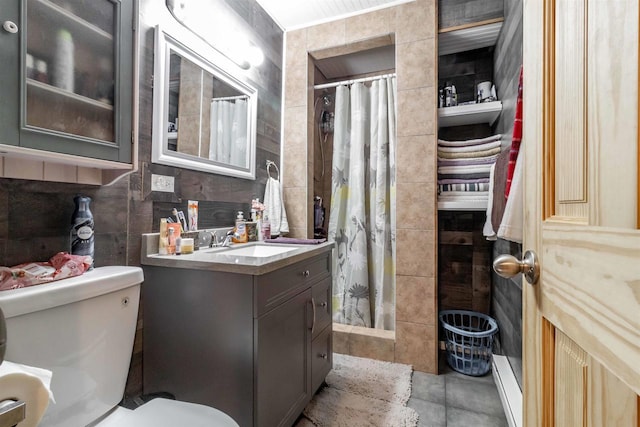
(67, 74)
(204, 117)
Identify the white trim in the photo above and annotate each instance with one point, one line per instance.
(508, 389)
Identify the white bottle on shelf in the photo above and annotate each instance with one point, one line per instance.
(63, 65)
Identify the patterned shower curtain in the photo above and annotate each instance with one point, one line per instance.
(362, 217)
(228, 138)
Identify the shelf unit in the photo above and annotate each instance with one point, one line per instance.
(459, 39)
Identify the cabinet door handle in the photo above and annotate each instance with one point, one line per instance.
(10, 27)
(313, 304)
(323, 304)
(323, 355)
(306, 273)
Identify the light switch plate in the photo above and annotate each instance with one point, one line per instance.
(162, 183)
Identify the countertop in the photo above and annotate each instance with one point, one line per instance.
(215, 259)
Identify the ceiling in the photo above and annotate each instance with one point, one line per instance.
(293, 14)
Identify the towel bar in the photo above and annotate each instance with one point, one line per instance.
(12, 412)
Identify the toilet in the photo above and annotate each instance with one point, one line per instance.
(82, 329)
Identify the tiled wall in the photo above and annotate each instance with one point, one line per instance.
(414, 27)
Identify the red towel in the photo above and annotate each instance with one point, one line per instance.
(516, 139)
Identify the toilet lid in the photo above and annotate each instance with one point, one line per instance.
(161, 412)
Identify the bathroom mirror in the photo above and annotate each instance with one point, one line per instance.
(204, 117)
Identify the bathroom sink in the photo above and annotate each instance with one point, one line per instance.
(259, 251)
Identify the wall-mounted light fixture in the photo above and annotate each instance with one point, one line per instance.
(221, 37)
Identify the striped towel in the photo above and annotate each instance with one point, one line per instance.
(463, 175)
(481, 147)
(481, 186)
(472, 161)
(469, 154)
(443, 143)
(463, 181)
(464, 169)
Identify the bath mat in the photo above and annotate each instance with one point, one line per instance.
(386, 381)
(338, 408)
(362, 392)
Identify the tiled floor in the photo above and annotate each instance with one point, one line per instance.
(452, 399)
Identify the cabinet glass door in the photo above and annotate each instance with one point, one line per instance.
(70, 68)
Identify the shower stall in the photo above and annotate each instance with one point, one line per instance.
(354, 203)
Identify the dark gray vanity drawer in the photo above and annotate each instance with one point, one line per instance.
(321, 294)
(274, 288)
(321, 358)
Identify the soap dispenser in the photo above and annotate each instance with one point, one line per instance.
(240, 236)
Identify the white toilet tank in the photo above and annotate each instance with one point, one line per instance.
(82, 329)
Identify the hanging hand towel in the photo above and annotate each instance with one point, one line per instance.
(274, 206)
(511, 227)
(487, 230)
(515, 140)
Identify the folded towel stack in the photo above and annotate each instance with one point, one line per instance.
(464, 168)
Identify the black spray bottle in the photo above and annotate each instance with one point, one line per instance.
(82, 228)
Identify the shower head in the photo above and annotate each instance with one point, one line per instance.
(327, 100)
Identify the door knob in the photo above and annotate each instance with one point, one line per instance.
(508, 266)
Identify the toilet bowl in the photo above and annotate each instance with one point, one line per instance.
(82, 329)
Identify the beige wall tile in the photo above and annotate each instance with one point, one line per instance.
(295, 141)
(416, 300)
(415, 64)
(416, 20)
(415, 205)
(372, 347)
(296, 45)
(415, 252)
(326, 35)
(295, 199)
(416, 111)
(369, 25)
(415, 157)
(340, 341)
(300, 233)
(295, 86)
(416, 345)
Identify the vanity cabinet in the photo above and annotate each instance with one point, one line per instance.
(67, 81)
(254, 346)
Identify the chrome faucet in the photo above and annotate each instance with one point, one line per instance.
(227, 239)
(225, 242)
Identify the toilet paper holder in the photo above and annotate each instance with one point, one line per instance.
(12, 412)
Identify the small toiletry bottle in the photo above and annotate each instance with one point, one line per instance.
(186, 246)
(63, 67)
(164, 237)
(82, 228)
(241, 229)
(265, 227)
(171, 248)
(178, 245)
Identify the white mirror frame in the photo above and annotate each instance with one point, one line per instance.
(204, 58)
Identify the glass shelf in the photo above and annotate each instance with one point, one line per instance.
(64, 18)
(45, 89)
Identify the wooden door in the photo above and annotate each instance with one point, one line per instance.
(580, 142)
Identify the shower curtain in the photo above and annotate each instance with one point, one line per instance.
(362, 217)
(228, 139)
